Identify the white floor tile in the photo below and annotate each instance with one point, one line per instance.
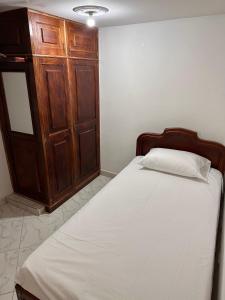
(10, 233)
(69, 208)
(34, 231)
(82, 197)
(8, 296)
(10, 213)
(55, 220)
(23, 255)
(8, 265)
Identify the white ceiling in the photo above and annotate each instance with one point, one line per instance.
(125, 11)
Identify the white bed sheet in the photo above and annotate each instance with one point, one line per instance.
(145, 236)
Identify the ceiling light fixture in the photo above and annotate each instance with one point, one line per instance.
(90, 11)
(90, 20)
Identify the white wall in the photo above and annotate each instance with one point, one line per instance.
(5, 183)
(158, 75)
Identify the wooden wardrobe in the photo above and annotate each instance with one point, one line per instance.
(49, 104)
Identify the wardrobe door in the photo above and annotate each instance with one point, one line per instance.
(47, 34)
(85, 99)
(82, 42)
(56, 122)
(20, 129)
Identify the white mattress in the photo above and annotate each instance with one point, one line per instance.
(145, 236)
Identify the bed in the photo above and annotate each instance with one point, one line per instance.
(146, 235)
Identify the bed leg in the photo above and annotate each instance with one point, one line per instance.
(19, 292)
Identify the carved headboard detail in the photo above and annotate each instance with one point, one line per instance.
(186, 140)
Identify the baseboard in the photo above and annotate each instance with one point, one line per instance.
(108, 174)
(25, 203)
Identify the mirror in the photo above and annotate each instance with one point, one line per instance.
(16, 93)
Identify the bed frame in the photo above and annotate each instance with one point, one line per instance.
(179, 139)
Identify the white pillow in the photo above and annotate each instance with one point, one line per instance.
(177, 162)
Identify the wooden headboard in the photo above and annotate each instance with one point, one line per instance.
(186, 140)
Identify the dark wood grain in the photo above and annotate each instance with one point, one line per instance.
(52, 87)
(66, 195)
(47, 34)
(83, 84)
(54, 103)
(22, 294)
(60, 160)
(86, 97)
(84, 93)
(186, 140)
(14, 32)
(87, 151)
(82, 41)
(26, 165)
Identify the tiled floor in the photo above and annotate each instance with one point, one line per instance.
(21, 232)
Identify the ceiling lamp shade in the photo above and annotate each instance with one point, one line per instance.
(90, 11)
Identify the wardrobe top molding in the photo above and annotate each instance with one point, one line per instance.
(26, 32)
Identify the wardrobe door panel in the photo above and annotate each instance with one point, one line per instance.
(26, 164)
(84, 89)
(60, 152)
(55, 102)
(87, 151)
(81, 41)
(47, 34)
(84, 94)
